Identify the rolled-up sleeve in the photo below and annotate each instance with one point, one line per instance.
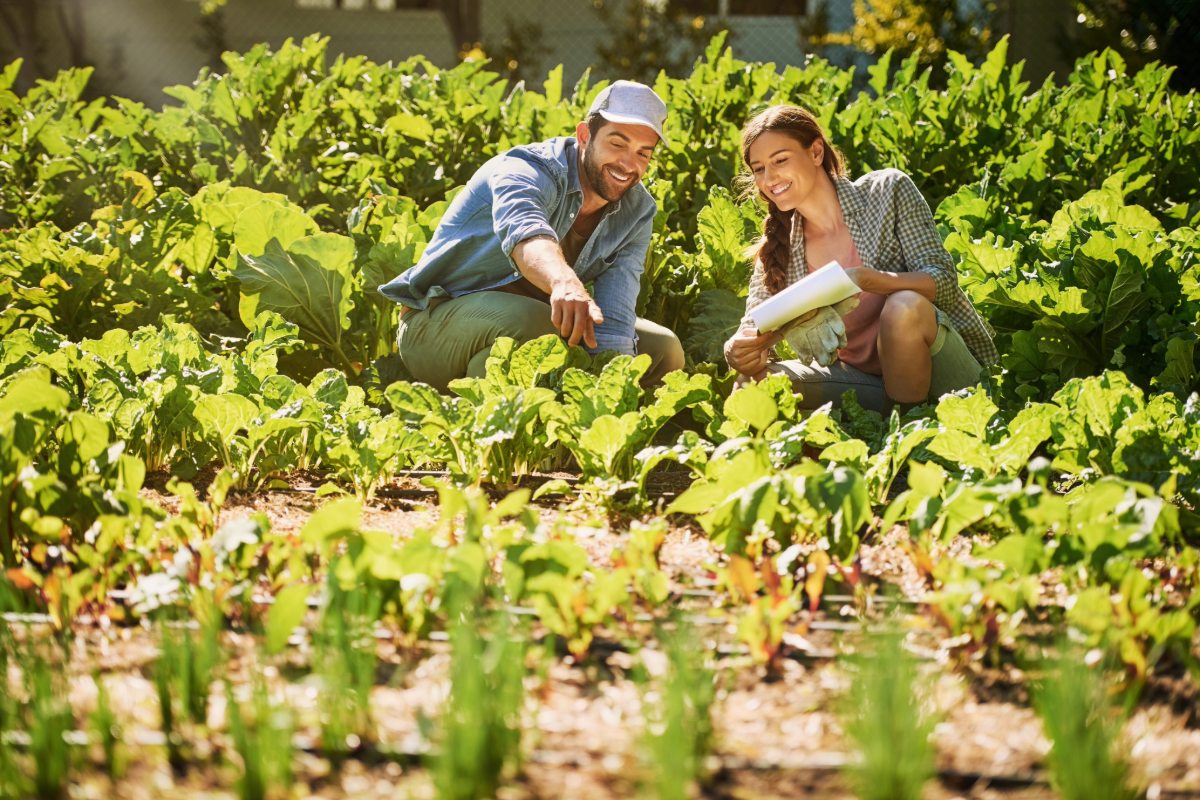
(616, 289)
(520, 196)
(919, 240)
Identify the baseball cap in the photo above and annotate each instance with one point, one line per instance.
(633, 103)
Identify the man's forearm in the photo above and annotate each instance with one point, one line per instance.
(541, 261)
(572, 310)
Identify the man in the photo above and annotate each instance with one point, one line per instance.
(516, 247)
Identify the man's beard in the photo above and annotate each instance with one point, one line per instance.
(599, 180)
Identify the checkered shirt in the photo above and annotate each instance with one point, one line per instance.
(893, 230)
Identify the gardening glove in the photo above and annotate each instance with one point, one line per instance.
(819, 337)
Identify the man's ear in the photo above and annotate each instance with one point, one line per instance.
(582, 133)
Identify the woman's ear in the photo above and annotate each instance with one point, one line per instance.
(818, 152)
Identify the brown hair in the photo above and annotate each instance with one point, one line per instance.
(772, 249)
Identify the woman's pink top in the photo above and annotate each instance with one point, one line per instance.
(862, 330)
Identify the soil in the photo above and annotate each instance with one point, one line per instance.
(777, 733)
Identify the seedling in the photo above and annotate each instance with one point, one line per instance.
(183, 675)
(10, 778)
(886, 724)
(164, 677)
(1083, 726)
(262, 737)
(345, 660)
(49, 719)
(106, 729)
(679, 730)
(481, 732)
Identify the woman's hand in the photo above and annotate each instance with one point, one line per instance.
(747, 351)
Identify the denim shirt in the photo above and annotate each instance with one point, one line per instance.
(527, 191)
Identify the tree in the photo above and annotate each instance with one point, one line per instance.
(645, 36)
(927, 27)
(25, 23)
(463, 19)
(1141, 31)
(518, 53)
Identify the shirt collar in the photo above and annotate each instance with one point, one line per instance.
(848, 197)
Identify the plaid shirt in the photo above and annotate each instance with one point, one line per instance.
(893, 230)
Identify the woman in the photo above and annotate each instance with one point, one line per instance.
(914, 335)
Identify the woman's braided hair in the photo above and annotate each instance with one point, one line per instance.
(773, 248)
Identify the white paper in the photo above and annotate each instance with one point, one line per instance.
(823, 287)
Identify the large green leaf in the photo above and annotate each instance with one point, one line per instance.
(311, 284)
(223, 415)
(722, 240)
(270, 219)
(717, 316)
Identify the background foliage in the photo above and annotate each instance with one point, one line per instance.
(190, 294)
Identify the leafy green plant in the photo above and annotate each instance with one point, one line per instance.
(570, 599)
(30, 409)
(491, 432)
(887, 724)
(768, 601)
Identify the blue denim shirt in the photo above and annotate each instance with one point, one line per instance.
(527, 191)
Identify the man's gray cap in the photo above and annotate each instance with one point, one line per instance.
(633, 103)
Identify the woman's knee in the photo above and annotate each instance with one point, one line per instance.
(906, 312)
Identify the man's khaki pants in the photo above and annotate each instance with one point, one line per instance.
(452, 338)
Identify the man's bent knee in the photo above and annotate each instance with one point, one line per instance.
(663, 347)
(672, 357)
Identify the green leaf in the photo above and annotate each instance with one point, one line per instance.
(1022, 554)
(33, 395)
(310, 285)
(223, 415)
(334, 520)
(969, 414)
(1181, 364)
(716, 317)
(270, 219)
(411, 126)
(753, 406)
(608, 436)
(553, 85)
(1092, 610)
(722, 240)
(286, 614)
(83, 437)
